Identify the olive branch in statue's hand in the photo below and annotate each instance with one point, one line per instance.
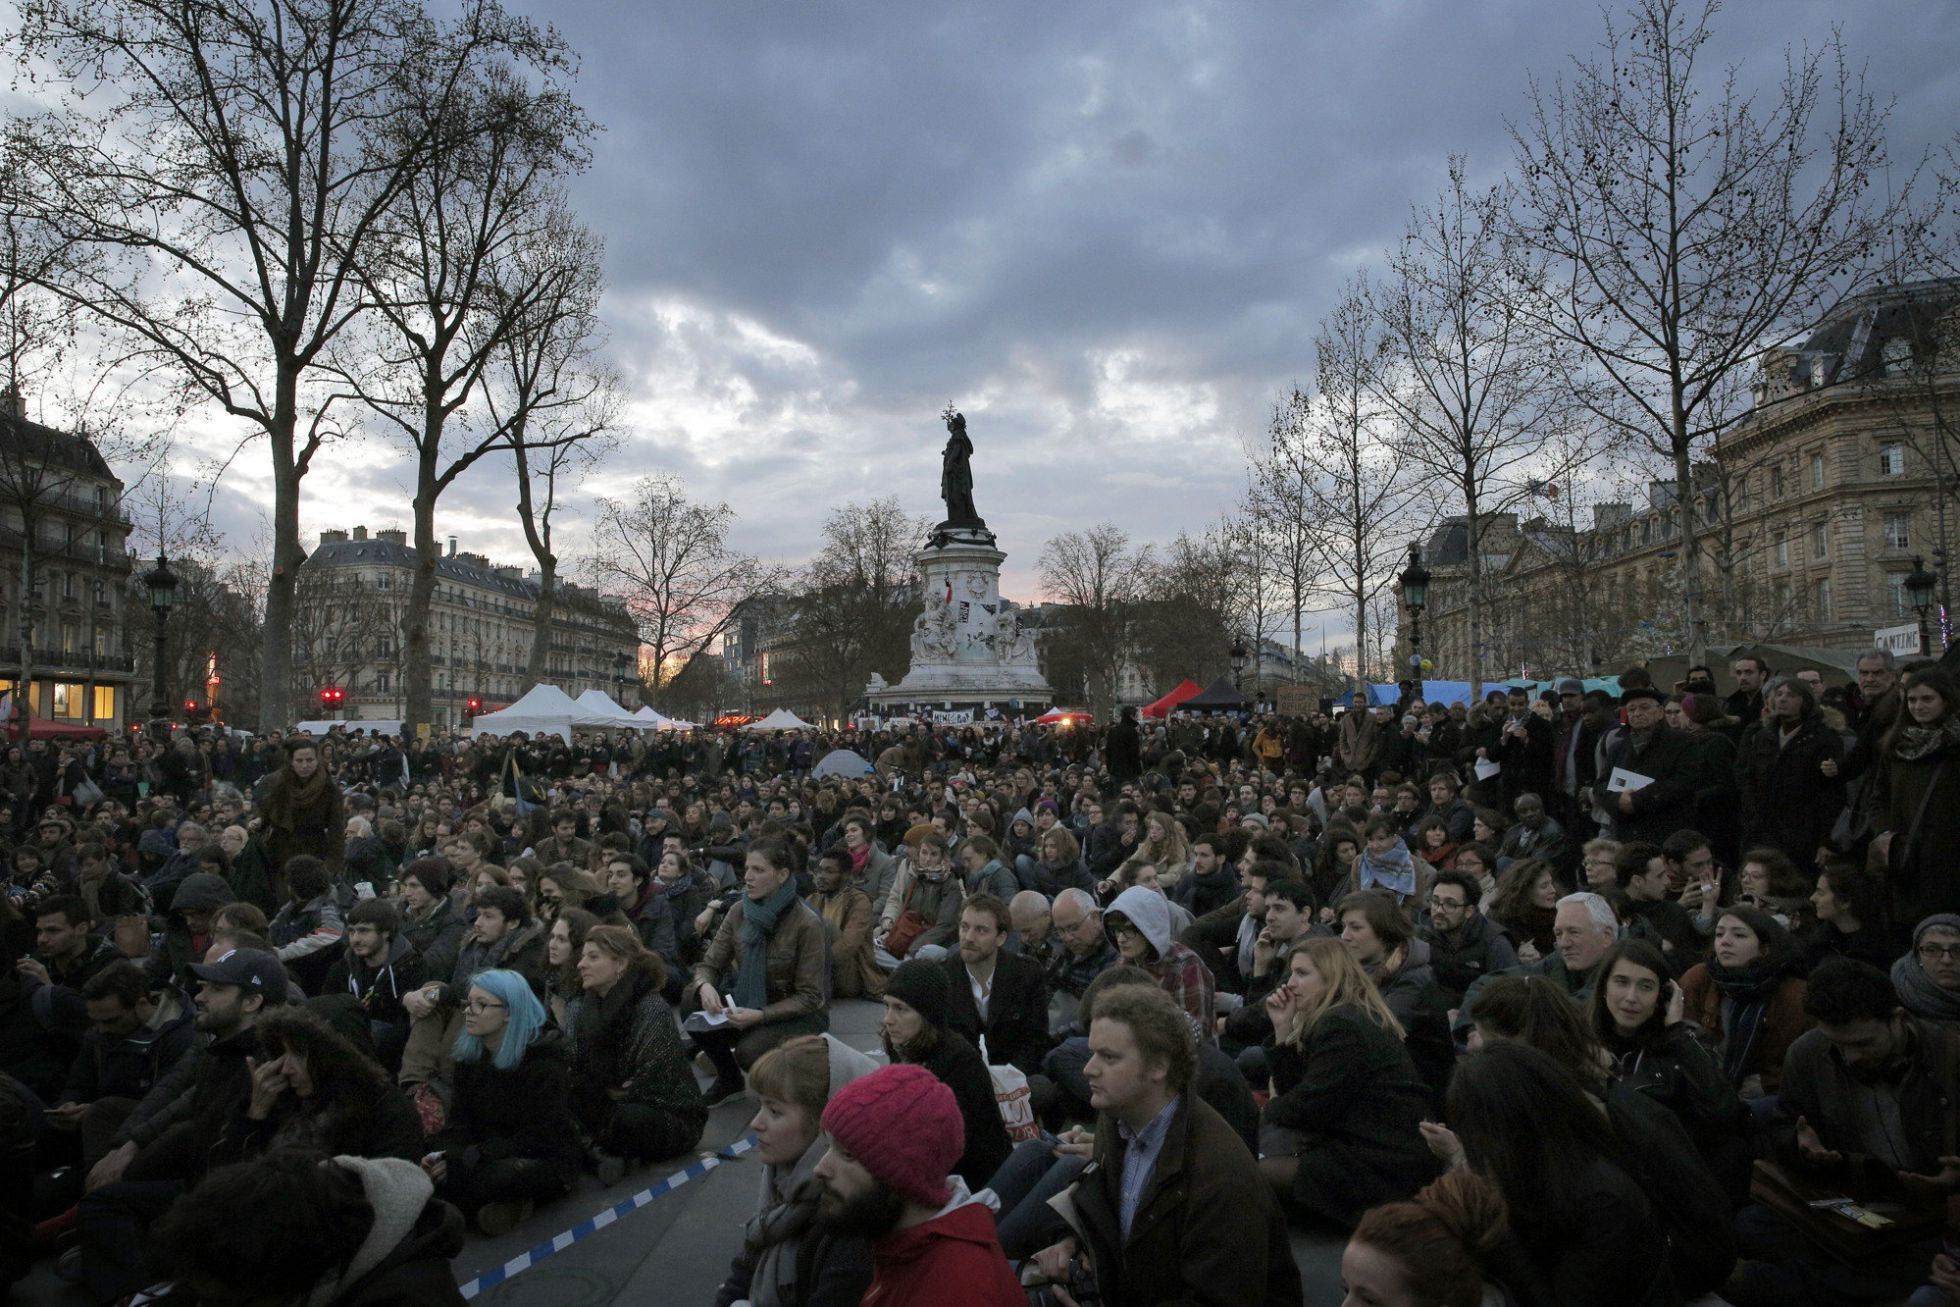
(950, 412)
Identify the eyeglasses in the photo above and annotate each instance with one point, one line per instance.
(1435, 902)
(1939, 952)
(476, 1007)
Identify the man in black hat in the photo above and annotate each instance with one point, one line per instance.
(1658, 794)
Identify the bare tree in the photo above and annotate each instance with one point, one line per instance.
(232, 182)
(1197, 598)
(856, 600)
(546, 391)
(669, 559)
(1099, 578)
(1331, 462)
(1463, 370)
(1689, 228)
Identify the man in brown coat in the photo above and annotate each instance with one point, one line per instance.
(848, 918)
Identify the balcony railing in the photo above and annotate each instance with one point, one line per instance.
(54, 660)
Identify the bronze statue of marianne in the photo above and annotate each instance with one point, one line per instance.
(956, 475)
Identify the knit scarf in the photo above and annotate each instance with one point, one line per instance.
(1916, 741)
(1748, 990)
(787, 1211)
(1920, 995)
(860, 856)
(759, 920)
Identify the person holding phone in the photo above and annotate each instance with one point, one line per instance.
(1637, 1014)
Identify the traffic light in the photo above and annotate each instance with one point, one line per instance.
(471, 708)
(331, 698)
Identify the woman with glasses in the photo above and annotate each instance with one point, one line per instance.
(1928, 977)
(508, 1142)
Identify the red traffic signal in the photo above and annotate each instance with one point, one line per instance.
(476, 705)
(190, 705)
(332, 696)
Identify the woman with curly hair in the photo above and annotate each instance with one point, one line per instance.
(1164, 847)
(1524, 905)
(311, 1087)
(302, 810)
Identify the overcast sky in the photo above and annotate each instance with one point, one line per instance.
(1105, 230)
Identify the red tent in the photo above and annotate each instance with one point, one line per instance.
(1186, 688)
(40, 728)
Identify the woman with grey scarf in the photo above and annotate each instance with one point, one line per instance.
(1928, 978)
(785, 1260)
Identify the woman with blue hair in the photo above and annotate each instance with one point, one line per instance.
(509, 1142)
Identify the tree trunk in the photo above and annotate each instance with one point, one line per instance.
(282, 586)
(420, 673)
(1690, 543)
(1474, 525)
(24, 687)
(539, 661)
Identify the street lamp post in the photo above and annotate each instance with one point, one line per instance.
(1238, 666)
(162, 583)
(1920, 584)
(621, 661)
(1415, 593)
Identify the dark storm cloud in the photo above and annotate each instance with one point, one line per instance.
(1107, 230)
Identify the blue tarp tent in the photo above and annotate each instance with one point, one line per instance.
(1459, 691)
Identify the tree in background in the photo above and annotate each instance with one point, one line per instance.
(1470, 382)
(230, 185)
(855, 602)
(1098, 578)
(1689, 228)
(668, 558)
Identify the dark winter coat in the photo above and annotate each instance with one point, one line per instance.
(1016, 1028)
(1206, 1229)
(626, 1048)
(525, 1112)
(1787, 802)
(436, 938)
(1667, 805)
(129, 1067)
(1924, 862)
(1351, 1090)
(958, 1066)
(1475, 949)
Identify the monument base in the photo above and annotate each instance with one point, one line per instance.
(970, 651)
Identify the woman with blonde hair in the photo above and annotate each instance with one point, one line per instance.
(1342, 1131)
(1163, 846)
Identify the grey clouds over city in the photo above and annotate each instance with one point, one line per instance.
(1106, 231)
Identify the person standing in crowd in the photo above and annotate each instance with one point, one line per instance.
(1916, 802)
(631, 1091)
(303, 811)
(1789, 797)
(1173, 1209)
(787, 1259)
(774, 949)
(508, 1141)
(895, 1136)
(916, 1030)
(1662, 800)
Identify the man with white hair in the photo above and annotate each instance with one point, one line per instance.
(1085, 952)
(1584, 928)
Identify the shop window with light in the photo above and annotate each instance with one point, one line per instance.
(70, 700)
(105, 703)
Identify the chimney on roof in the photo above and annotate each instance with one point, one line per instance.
(452, 546)
(333, 538)
(360, 533)
(13, 404)
(392, 536)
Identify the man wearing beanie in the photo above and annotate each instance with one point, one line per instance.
(918, 1005)
(894, 1137)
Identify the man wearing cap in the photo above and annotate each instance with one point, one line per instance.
(1662, 800)
(236, 988)
(894, 1137)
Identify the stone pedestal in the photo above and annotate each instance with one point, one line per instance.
(968, 650)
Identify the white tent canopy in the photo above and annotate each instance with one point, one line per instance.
(780, 720)
(601, 704)
(648, 717)
(544, 709)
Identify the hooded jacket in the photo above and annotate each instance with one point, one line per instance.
(203, 892)
(952, 1260)
(379, 989)
(131, 1066)
(405, 1257)
(1176, 969)
(784, 1260)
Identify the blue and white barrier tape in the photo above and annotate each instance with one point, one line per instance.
(585, 1229)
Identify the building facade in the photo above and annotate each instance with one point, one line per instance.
(1812, 510)
(64, 575)
(354, 596)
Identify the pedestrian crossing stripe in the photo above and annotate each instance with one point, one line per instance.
(585, 1229)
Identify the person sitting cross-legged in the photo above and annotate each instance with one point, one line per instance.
(509, 1141)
